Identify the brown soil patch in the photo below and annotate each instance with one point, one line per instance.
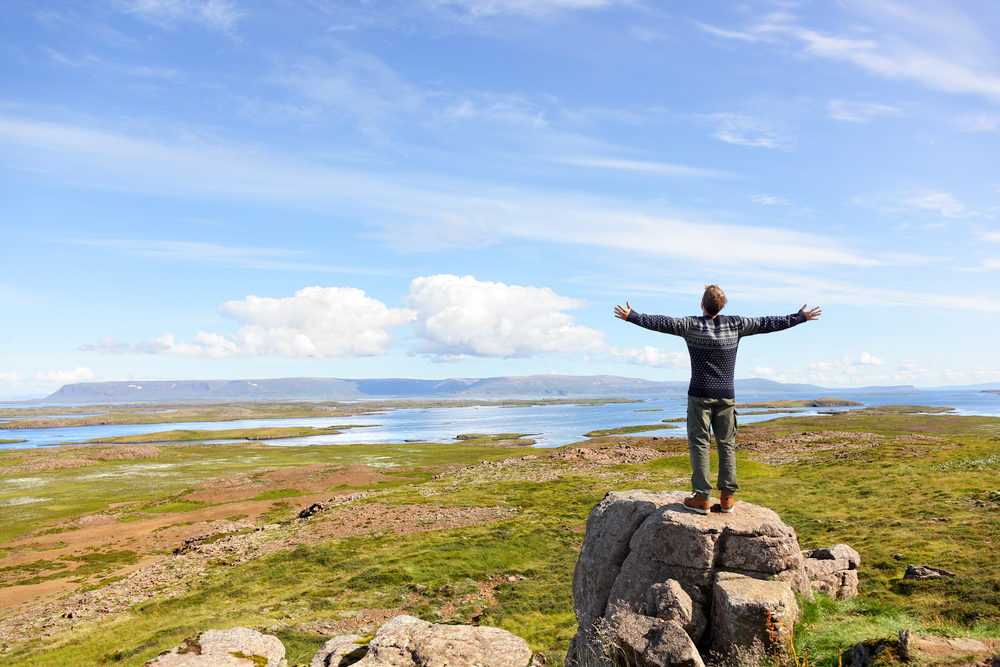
(306, 479)
(614, 455)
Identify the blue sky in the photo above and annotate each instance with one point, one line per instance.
(229, 189)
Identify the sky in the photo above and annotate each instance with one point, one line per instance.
(221, 189)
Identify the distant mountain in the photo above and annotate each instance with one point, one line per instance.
(313, 389)
(337, 389)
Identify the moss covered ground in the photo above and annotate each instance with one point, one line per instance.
(900, 488)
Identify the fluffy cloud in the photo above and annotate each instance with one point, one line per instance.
(847, 362)
(316, 322)
(458, 318)
(13, 383)
(650, 356)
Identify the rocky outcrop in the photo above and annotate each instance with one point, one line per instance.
(925, 572)
(406, 641)
(833, 570)
(923, 649)
(644, 554)
(236, 647)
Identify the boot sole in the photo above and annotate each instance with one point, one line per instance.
(726, 511)
(696, 510)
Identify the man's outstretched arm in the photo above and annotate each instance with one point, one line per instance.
(762, 325)
(667, 325)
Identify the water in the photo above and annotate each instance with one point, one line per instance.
(548, 425)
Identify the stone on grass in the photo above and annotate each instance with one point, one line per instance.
(337, 650)
(406, 641)
(924, 572)
(921, 649)
(236, 647)
(746, 609)
(833, 570)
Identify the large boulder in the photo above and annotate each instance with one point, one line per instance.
(406, 641)
(236, 647)
(644, 553)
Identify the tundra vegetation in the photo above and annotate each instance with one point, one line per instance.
(111, 554)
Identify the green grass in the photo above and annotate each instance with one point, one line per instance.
(624, 430)
(10, 441)
(887, 501)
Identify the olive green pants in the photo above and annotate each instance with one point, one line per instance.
(719, 414)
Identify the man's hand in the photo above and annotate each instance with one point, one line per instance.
(622, 313)
(811, 314)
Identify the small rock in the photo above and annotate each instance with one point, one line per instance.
(406, 641)
(924, 572)
(898, 556)
(923, 649)
(236, 647)
(338, 651)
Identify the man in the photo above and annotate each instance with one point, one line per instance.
(712, 340)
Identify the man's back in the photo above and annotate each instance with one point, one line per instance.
(712, 343)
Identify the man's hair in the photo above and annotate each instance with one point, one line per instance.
(714, 299)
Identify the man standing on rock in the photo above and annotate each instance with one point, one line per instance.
(712, 340)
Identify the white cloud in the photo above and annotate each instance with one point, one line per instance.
(641, 166)
(859, 112)
(458, 318)
(848, 363)
(923, 202)
(933, 45)
(317, 322)
(13, 383)
(79, 374)
(769, 201)
(533, 8)
(214, 14)
(763, 370)
(747, 130)
(107, 345)
(650, 356)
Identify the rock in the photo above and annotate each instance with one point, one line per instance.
(743, 609)
(922, 649)
(880, 651)
(670, 602)
(343, 649)
(924, 572)
(838, 552)
(236, 647)
(642, 641)
(636, 540)
(833, 570)
(838, 585)
(406, 641)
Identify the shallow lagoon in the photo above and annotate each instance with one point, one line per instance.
(548, 425)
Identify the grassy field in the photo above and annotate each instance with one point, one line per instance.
(900, 488)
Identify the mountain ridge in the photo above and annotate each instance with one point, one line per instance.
(359, 389)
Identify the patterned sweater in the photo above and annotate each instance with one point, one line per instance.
(712, 344)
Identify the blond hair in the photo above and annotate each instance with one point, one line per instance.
(714, 300)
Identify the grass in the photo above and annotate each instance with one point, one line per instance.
(273, 433)
(801, 403)
(10, 441)
(925, 492)
(622, 430)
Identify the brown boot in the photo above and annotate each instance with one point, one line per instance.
(697, 504)
(727, 502)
